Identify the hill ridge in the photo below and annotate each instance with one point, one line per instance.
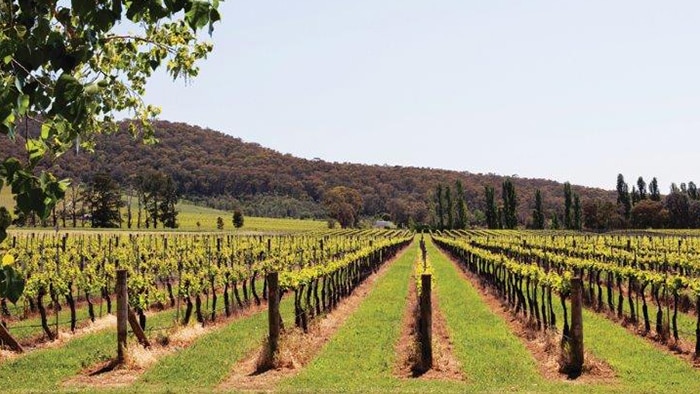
(222, 171)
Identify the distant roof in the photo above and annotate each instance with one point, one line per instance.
(384, 224)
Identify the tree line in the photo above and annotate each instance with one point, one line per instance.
(149, 201)
(642, 206)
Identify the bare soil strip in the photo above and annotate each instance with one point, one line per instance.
(296, 348)
(140, 359)
(544, 347)
(445, 364)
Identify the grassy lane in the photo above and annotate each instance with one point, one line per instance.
(43, 370)
(492, 357)
(361, 355)
(209, 360)
(641, 368)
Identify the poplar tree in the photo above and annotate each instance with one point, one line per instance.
(537, 214)
(510, 202)
(491, 209)
(439, 209)
(642, 188)
(654, 193)
(449, 224)
(693, 191)
(461, 206)
(623, 195)
(577, 213)
(567, 205)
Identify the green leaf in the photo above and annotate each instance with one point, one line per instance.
(36, 150)
(68, 87)
(198, 15)
(11, 284)
(21, 30)
(45, 130)
(22, 103)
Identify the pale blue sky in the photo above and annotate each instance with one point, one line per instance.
(565, 90)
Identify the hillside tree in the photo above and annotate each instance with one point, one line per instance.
(510, 204)
(537, 213)
(693, 191)
(158, 195)
(678, 208)
(642, 188)
(623, 196)
(577, 222)
(103, 199)
(237, 218)
(449, 209)
(492, 215)
(460, 206)
(567, 205)
(654, 192)
(343, 204)
(439, 207)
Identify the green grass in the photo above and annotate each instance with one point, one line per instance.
(209, 360)
(190, 215)
(501, 362)
(44, 370)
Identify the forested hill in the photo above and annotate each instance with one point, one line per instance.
(221, 170)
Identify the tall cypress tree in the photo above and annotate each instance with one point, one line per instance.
(537, 214)
(693, 191)
(461, 206)
(654, 193)
(510, 202)
(449, 209)
(642, 188)
(567, 205)
(623, 195)
(577, 213)
(491, 209)
(634, 194)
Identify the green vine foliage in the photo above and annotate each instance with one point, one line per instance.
(11, 282)
(68, 67)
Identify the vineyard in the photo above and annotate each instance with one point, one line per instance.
(205, 310)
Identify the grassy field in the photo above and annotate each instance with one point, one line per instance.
(198, 218)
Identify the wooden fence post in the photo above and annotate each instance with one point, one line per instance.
(576, 326)
(9, 340)
(122, 315)
(273, 312)
(425, 324)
